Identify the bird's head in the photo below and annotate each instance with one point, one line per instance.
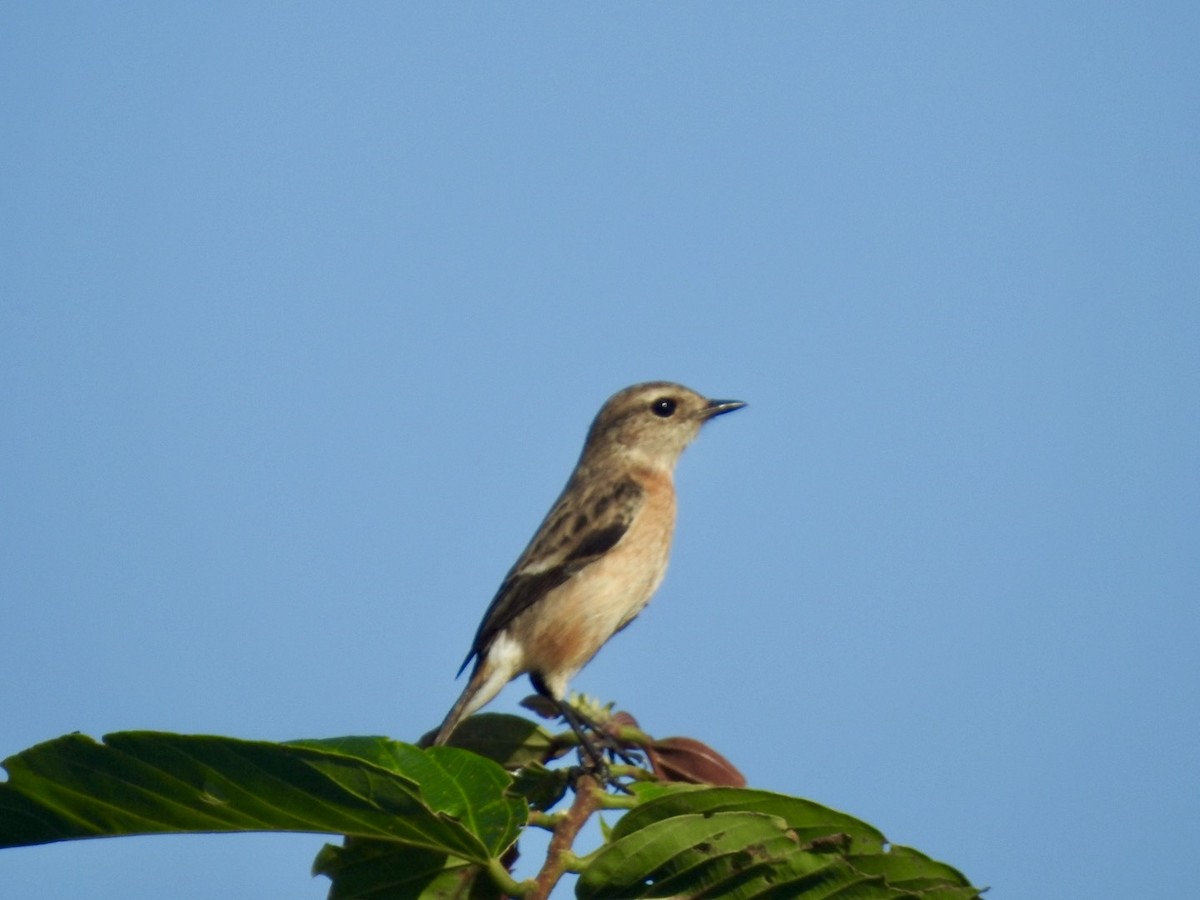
(652, 421)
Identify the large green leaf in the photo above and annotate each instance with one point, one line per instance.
(737, 843)
(152, 783)
(811, 876)
(723, 854)
(914, 871)
(366, 869)
(451, 781)
(810, 821)
(512, 741)
(541, 787)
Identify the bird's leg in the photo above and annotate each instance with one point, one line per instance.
(611, 744)
(579, 724)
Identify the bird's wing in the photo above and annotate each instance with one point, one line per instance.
(579, 529)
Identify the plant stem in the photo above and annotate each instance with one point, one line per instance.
(613, 801)
(548, 821)
(508, 885)
(559, 855)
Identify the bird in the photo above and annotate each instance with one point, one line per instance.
(597, 558)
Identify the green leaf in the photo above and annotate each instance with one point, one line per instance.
(451, 781)
(511, 741)
(154, 783)
(541, 787)
(723, 854)
(910, 869)
(810, 821)
(736, 843)
(365, 869)
(378, 750)
(812, 876)
(646, 791)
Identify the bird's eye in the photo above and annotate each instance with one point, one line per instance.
(663, 406)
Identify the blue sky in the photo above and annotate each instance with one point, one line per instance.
(305, 310)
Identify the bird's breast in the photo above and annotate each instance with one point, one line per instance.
(565, 629)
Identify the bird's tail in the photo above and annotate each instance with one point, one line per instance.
(456, 714)
(484, 684)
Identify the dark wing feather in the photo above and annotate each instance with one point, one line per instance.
(569, 540)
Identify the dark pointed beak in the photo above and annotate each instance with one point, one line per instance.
(720, 407)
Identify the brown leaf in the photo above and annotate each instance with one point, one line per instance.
(542, 706)
(688, 760)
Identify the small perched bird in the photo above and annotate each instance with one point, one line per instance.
(598, 556)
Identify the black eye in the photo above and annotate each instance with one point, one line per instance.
(663, 406)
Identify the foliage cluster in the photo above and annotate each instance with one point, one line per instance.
(445, 822)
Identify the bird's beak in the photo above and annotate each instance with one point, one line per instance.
(720, 407)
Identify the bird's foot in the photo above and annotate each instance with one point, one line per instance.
(605, 735)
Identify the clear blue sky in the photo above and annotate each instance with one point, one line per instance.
(305, 309)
